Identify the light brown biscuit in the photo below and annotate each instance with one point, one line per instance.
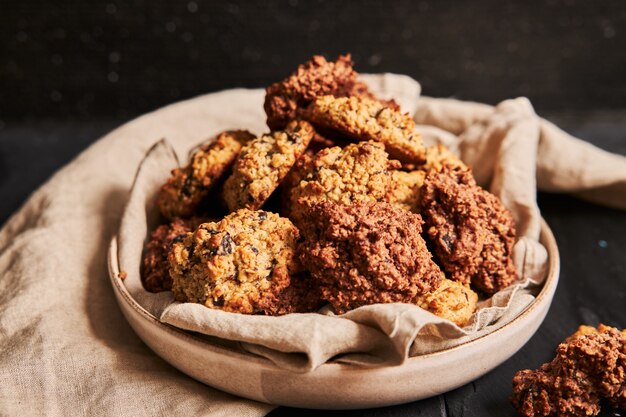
(451, 300)
(189, 185)
(363, 119)
(236, 264)
(406, 194)
(263, 163)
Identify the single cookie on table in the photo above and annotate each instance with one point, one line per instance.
(590, 366)
(471, 230)
(359, 172)
(366, 253)
(263, 163)
(285, 99)
(238, 264)
(451, 300)
(189, 185)
(155, 267)
(361, 118)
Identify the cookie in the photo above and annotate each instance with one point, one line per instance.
(359, 172)
(472, 232)
(155, 267)
(363, 119)
(285, 99)
(588, 368)
(366, 253)
(236, 264)
(263, 163)
(406, 193)
(451, 300)
(189, 186)
(301, 296)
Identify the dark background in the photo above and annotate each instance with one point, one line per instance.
(72, 70)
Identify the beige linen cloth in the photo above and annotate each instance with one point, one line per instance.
(65, 348)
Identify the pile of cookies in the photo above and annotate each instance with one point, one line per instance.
(340, 203)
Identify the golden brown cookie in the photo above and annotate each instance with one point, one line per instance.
(359, 172)
(236, 264)
(189, 185)
(366, 253)
(263, 163)
(451, 300)
(362, 119)
(406, 194)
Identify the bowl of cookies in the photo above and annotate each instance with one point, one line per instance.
(335, 261)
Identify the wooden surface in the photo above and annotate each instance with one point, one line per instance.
(71, 71)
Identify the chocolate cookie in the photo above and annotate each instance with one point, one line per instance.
(472, 232)
(189, 185)
(362, 119)
(263, 163)
(236, 264)
(366, 253)
(588, 368)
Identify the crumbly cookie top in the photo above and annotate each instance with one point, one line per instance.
(263, 163)
(314, 78)
(451, 300)
(366, 253)
(588, 367)
(472, 232)
(358, 172)
(366, 119)
(236, 263)
(189, 185)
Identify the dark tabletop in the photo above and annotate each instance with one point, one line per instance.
(71, 72)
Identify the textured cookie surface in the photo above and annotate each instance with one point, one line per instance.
(363, 118)
(236, 264)
(155, 267)
(317, 77)
(367, 253)
(263, 163)
(406, 193)
(189, 185)
(590, 366)
(472, 232)
(451, 300)
(359, 172)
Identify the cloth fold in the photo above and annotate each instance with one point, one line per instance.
(66, 349)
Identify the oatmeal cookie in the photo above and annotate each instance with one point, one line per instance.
(438, 156)
(365, 119)
(236, 264)
(155, 267)
(472, 232)
(587, 368)
(406, 193)
(366, 253)
(189, 185)
(317, 77)
(358, 172)
(263, 163)
(451, 300)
